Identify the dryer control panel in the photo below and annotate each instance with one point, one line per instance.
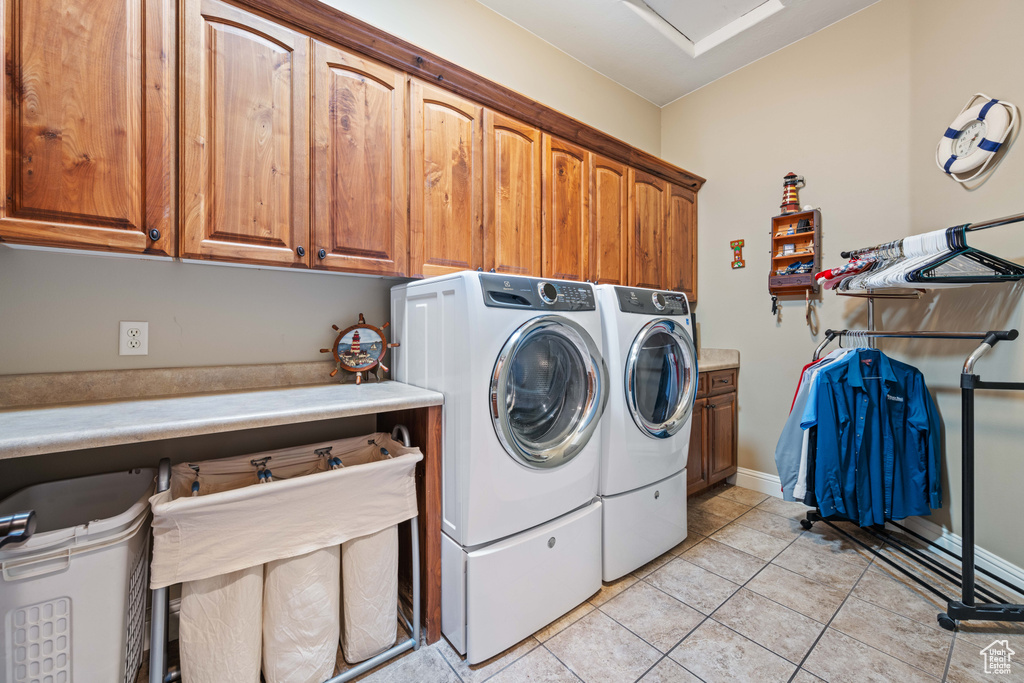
(651, 302)
(511, 291)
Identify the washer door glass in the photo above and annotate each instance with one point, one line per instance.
(661, 378)
(548, 391)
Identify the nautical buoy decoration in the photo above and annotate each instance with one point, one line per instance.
(977, 136)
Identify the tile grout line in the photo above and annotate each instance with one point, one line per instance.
(827, 626)
(504, 667)
(949, 658)
(567, 667)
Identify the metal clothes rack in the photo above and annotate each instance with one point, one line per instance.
(159, 672)
(970, 227)
(976, 602)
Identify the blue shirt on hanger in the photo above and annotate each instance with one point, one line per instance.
(878, 443)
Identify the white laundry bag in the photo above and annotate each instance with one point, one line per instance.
(236, 524)
(221, 627)
(369, 586)
(301, 627)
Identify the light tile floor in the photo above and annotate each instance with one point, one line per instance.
(749, 596)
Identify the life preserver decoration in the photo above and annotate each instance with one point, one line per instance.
(976, 137)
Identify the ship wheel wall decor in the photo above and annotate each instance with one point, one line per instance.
(360, 349)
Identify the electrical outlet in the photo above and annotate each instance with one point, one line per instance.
(133, 339)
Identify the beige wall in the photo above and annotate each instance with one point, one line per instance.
(481, 40)
(858, 108)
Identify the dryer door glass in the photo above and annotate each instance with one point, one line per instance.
(661, 378)
(547, 392)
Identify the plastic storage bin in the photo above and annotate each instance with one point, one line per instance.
(73, 597)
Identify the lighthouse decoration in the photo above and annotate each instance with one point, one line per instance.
(790, 184)
(360, 349)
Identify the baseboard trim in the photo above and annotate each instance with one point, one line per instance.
(983, 558)
(762, 482)
(770, 484)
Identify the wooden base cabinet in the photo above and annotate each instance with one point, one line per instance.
(88, 119)
(713, 431)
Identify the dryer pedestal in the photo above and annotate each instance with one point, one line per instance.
(496, 595)
(642, 524)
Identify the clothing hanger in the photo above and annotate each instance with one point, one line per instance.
(966, 265)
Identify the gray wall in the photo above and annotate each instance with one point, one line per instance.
(858, 109)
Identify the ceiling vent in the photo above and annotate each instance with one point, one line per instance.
(696, 27)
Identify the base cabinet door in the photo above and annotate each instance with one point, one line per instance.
(566, 221)
(722, 433)
(446, 191)
(681, 242)
(512, 176)
(244, 137)
(88, 116)
(609, 219)
(646, 229)
(360, 165)
(697, 460)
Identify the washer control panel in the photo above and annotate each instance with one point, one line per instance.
(650, 302)
(511, 291)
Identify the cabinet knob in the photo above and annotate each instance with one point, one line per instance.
(480, 269)
(154, 234)
(322, 253)
(492, 270)
(301, 251)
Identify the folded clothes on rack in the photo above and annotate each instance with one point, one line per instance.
(876, 453)
(941, 258)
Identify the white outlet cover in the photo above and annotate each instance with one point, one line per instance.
(133, 339)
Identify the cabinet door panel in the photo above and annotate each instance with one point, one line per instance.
(609, 220)
(681, 242)
(446, 193)
(245, 137)
(723, 436)
(646, 229)
(566, 202)
(512, 177)
(88, 105)
(360, 176)
(697, 460)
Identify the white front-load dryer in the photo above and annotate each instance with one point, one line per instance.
(648, 344)
(519, 362)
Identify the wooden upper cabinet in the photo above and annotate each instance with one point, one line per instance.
(646, 243)
(244, 137)
(512, 172)
(566, 220)
(360, 164)
(681, 242)
(88, 113)
(446, 187)
(609, 221)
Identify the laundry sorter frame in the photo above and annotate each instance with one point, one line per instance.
(976, 602)
(159, 672)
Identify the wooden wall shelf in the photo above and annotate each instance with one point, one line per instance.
(806, 246)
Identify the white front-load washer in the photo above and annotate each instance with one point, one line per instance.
(520, 365)
(645, 434)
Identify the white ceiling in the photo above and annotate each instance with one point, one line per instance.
(664, 49)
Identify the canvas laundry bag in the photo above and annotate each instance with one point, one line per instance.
(235, 524)
(369, 587)
(301, 625)
(220, 628)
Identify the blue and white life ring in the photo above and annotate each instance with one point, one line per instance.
(989, 122)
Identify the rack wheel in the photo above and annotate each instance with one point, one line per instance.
(806, 524)
(945, 621)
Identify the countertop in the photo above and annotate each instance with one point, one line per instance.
(53, 429)
(709, 360)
